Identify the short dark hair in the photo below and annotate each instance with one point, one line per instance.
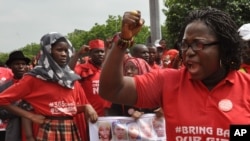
(230, 43)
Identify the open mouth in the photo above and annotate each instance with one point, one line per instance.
(192, 67)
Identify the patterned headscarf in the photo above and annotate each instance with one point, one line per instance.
(141, 64)
(47, 69)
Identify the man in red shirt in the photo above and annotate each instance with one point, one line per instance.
(90, 74)
(152, 50)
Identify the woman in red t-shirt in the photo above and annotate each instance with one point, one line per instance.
(51, 88)
(201, 100)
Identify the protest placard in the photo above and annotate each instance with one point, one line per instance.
(147, 128)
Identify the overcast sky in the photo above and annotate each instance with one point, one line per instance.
(24, 21)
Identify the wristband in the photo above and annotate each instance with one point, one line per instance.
(122, 43)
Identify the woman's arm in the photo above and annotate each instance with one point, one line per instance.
(28, 129)
(26, 114)
(113, 85)
(89, 112)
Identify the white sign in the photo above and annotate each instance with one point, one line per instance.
(147, 128)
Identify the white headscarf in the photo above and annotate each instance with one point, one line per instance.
(244, 32)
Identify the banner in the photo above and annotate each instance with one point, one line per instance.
(2, 125)
(147, 128)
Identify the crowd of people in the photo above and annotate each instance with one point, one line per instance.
(200, 85)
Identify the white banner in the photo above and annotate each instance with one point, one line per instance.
(3, 125)
(147, 128)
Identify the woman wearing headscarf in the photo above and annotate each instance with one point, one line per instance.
(51, 88)
(170, 59)
(135, 66)
(132, 66)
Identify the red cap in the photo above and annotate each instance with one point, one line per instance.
(97, 43)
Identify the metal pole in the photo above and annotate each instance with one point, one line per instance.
(155, 25)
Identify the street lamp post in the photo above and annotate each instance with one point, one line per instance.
(155, 26)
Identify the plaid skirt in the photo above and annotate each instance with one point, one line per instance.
(58, 130)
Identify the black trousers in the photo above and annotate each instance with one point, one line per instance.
(2, 135)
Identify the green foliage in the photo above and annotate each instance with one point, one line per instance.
(77, 37)
(80, 37)
(175, 11)
(178, 9)
(142, 36)
(3, 58)
(104, 31)
(29, 51)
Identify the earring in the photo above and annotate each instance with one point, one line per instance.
(220, 64)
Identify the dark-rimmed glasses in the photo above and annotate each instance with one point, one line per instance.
(196, 45)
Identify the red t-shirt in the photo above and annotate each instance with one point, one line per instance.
(90, 83)
(47, 98)
(155, 66)
(190, 109)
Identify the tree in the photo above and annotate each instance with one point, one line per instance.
(178, 9)
(29, 51)
(80, 37)
(104, 31)
(3, 58)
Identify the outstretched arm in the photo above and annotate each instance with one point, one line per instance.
(113, 85)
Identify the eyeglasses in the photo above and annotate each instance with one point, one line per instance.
(196, 45)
